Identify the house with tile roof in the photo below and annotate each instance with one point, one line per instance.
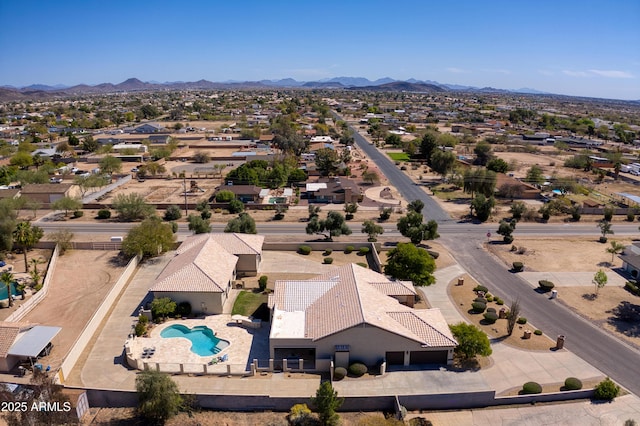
(204, 268)
(355, 314)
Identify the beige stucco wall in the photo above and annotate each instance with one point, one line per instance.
(6, 364)
(247, 265)
(367, 344)
(214, 302)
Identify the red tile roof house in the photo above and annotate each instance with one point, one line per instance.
(204, 268)
(333, 190)
(353, 314)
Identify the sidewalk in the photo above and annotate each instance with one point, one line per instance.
(571, 279)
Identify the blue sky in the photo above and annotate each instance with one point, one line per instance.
(583, 47)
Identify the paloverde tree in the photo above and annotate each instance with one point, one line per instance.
(150, 238)
(66, 203)
(198, 225)
(482, 207)
(599, 280)
(408, 262)
(333, 226)
(110, 164)
(26, 236)
(372, 229)
(605, 229)
(506, 230)
(158, 396)
(480, 181)
(132, 207)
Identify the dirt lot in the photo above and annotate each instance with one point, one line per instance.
(578, 254)
(81, 281)
(574, 254)
(126, 417)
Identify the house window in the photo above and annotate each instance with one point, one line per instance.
(342, 348)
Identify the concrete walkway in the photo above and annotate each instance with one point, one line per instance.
(571, 279)
(584, 413)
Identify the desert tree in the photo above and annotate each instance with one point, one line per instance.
(372, 230)
(471, 341)
(512, 316)
(599, 280)
(605, 229)
(158, 396)
(26, 236)
(408, 262)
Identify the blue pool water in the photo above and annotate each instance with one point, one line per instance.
(3, 290)
(203, 341)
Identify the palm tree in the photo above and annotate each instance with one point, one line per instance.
(7, 279)
(26, 236)
(615, 248)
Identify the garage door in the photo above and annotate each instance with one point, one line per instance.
(428, 357)
(395, 358)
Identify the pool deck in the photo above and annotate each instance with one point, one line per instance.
(171, 352)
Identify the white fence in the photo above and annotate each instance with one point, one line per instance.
(95, 195)
(92, 326)
(33, 301)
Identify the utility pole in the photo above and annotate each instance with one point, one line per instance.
(184, 185)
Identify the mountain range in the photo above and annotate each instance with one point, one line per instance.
(42, 91)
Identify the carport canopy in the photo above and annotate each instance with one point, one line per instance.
(34, 341)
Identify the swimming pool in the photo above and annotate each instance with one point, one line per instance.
(203, 341)
(277, 200)
(3, 290)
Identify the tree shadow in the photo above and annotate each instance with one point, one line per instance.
(626, 319)
(605, 264)
(590, 296)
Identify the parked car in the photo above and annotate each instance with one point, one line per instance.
(55, 180)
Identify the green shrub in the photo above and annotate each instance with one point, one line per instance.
(480, 300)
(183, 309)
(522, 320)
(143, 319)
(481, 288)
(364, 250)
(300, 414)
(306, 250)
(349, 249)
(225, 196)
(500, 302)
(364, 265)
(478, 307)
(631, 216)
(491, 310)
(339, 373)
(632, 288)
(538, 332)
(490, 317)
(530, 388)
(262, 282)
(140, 329)
(546, 285)
(606, 390)
(327, 260)
(489, 298)
(571, 383)
(327, 252)
(357, 369)
(78, 213)
(433, 254)
(104, 214)
(235, 206)
(518, 266)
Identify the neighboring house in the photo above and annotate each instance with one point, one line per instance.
(46, 193)
(355, 314)
(515, 188)
(631, 259)
(21, 341)
(45, 153)
(150, 128)
(244, 193)
(204, 268)
(159, 139)
(333, 190)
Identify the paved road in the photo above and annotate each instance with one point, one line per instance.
(613, 357)
(403, 184)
